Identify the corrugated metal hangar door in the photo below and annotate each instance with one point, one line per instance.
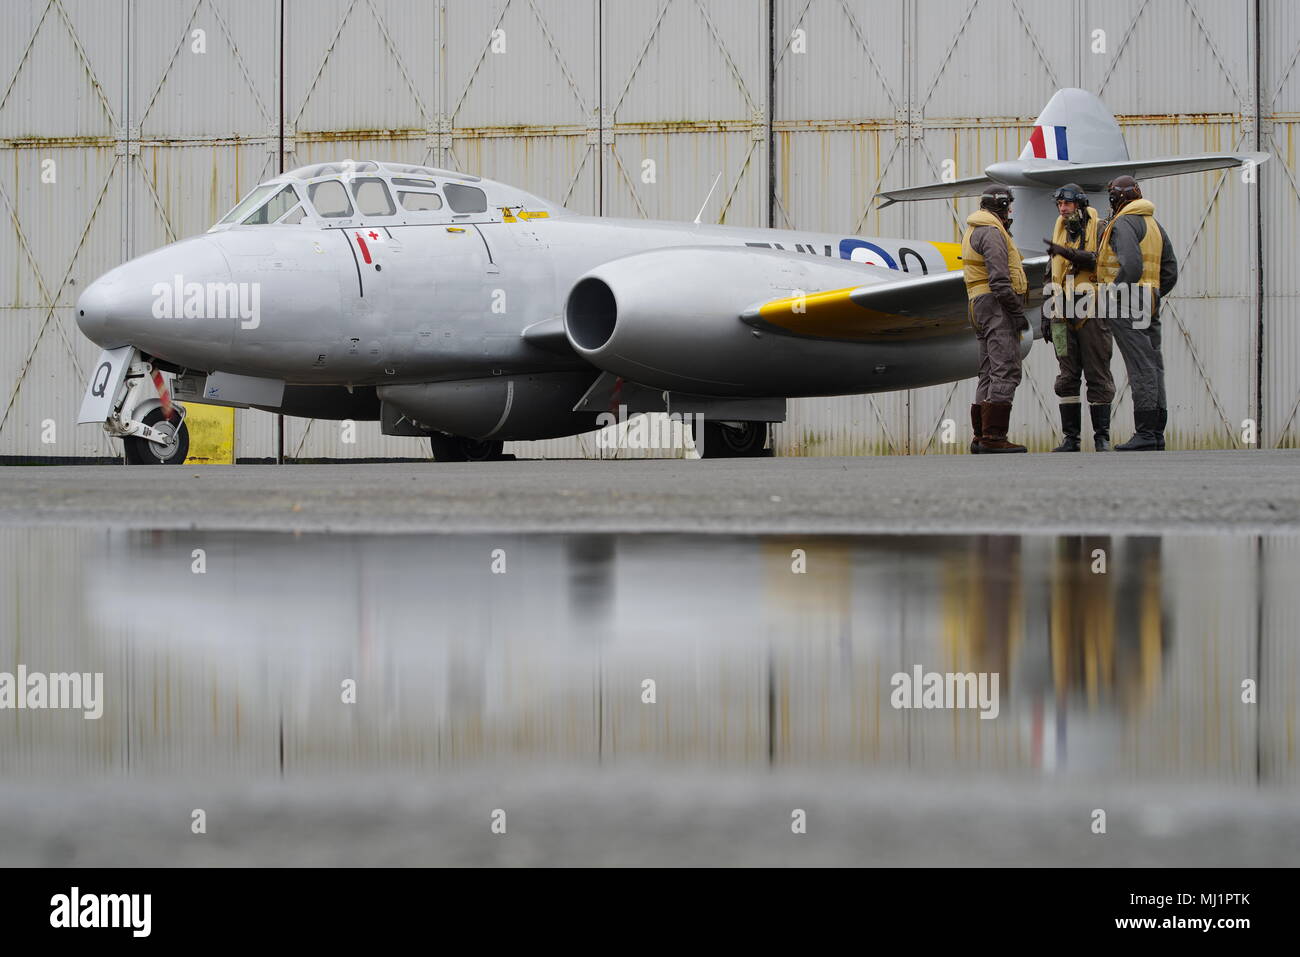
(124, 125)
(64, 186)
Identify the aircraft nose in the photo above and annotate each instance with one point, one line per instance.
(94, 307)
(141, 302)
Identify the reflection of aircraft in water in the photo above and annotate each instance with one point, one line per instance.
(473, 312)
(784, 644)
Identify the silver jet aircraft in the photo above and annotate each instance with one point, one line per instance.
(474, 313)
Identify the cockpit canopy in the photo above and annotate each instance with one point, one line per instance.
(352, 193)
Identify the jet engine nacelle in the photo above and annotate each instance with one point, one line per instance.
(670, 319)
(507, 407)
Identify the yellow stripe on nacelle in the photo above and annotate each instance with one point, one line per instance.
(832, 302)
(834, 315)
(890, 307)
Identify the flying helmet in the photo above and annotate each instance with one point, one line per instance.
(996, 199)
(1123, 189)
(1071, 193)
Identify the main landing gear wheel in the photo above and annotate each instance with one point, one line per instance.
(456, 448)
(733, 440)
(144, 452)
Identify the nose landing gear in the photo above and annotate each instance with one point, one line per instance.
(171, 450)
(132, 400)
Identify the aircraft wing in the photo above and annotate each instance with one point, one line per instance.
(1049, 174)
(920, 307)
(971, 186)
(1095, 176)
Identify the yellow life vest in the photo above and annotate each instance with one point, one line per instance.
(973, 266)
(1152, 247)
(1088, 241)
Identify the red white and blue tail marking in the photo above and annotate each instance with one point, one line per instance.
(1047, 142)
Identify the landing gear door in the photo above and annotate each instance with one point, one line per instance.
(105, 381)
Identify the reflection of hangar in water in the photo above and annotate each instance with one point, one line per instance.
(240, 667)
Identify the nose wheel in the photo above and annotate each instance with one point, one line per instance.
(170, 452)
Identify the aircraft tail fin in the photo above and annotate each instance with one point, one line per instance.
(1075, 127)
(1075, 139)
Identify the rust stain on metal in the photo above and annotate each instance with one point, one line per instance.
(57, 142)
(1176, 119)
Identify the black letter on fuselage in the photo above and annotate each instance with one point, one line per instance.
(903, 253)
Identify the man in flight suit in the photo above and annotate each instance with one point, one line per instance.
(1134, 252)
(995, 290)
(1084, 335)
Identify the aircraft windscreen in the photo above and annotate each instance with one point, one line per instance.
(250, 202)
(273, 208)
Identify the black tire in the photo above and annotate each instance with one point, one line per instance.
(457, 448)
(144, 452)
(741, 440)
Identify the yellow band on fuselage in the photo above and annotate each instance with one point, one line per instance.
(951, 253)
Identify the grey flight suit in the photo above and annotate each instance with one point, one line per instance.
(1141, 347)
(999, 317)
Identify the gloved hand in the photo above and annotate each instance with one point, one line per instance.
(1065, 252)
(1046, 328)
(1020, 321)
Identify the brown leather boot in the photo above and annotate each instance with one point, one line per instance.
(977, 428)
(996, 417)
